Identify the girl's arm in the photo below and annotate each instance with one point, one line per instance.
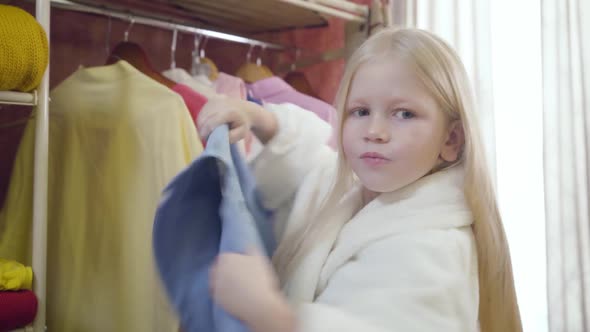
(278, 316)
(297, 148)
(295, 142)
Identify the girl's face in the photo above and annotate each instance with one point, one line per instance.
(394, 132)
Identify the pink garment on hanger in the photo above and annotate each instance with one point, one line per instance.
(235, 87)
(230, 86)
(276, 91)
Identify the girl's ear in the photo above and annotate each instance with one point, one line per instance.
(454, 142)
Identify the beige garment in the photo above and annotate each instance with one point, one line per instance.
(181, 76)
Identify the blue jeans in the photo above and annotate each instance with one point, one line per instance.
(210, 207)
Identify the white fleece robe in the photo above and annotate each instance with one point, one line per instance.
(404, 262)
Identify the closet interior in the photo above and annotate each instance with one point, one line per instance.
(259, 50)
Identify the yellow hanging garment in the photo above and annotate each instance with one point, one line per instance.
(116, 138)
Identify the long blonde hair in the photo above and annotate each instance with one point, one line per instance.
(444, 76)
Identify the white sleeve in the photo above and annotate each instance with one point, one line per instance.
(421, 282)
(298, 147)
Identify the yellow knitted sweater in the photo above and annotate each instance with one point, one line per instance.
(15, 276)
(24, 51)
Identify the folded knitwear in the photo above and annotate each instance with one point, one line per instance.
(25, 53)
(17, 309)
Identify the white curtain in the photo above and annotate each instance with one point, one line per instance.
(465, 25)
(566, 90)
(499, 43)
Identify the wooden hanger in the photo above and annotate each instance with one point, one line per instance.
(214, 73)
(253, 72)
(202, 65)
(135, 55)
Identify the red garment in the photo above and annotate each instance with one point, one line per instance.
(194, 101)
(17, 309)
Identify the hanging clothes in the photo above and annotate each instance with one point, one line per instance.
(276, 91)
(230, 86)
(235, 87)
(116, 138)
(194, 101)
(181, 76)
(299, 82)
(13, 120)
(251, 72)
(205, 67)
(203, 79)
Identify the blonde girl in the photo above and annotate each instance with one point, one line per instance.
(397, 231)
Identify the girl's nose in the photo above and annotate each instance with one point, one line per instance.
(378, 131)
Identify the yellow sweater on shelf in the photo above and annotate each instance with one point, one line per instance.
(24, 51)
(116, 138)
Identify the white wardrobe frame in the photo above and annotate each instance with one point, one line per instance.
(40, 99)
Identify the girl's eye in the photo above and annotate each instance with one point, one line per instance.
(404, 114)
(359, 112)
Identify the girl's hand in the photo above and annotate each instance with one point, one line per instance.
(240, 115)
(247, 288)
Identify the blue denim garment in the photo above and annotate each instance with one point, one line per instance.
(210, 207)
(255, 100)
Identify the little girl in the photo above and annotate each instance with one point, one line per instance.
(399, 230)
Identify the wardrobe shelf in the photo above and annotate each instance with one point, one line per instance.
(232, 16)
(18, 98)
